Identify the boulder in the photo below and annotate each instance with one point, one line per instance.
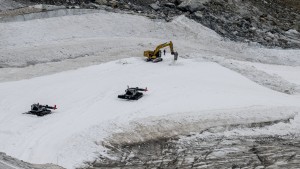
(192, 5)
(126, 6)
(114, 3)
(220, 30)
(101, 2)
(172, 1)
(297, 26)
(198, 15)
(152, 16)
(137, 8)
(179, 1)
(170, 5)
(154, 6)
(91, 6)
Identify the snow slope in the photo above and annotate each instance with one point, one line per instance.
(93, 38)
(290, 73)
(87, 99)
(191, 95)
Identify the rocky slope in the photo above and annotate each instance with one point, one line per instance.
(7, 162)
(272, 23)
(196, 152)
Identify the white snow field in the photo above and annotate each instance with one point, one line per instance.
(190, 95)
(87, 99)
(290, 73)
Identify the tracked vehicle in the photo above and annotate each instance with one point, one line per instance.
(41, 110)
(155, 56)
(132, 93)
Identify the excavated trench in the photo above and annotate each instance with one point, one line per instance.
(210, 151)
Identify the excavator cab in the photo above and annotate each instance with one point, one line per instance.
(155, 56)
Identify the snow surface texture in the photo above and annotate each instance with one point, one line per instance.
(93, 38)
(196, 93)
(89, 110)
(290, 73)
(258, 75)
(9, 4)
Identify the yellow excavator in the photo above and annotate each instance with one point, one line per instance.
(155, 56)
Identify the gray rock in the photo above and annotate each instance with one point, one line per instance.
(126, 6)
(154, 6)
(220, 30)
(108, 8)
(268, 39)
(114, 3)
(252, 28)
(179, 1)
(297, 26)
(284, 41)
(271, 35)
(137, 8)
(152, 16)
(172, 1)
(93, 6)
(170, 5)
(292, 32)
(162, 15)
(198, 14)
(101, 2)
(192, 5)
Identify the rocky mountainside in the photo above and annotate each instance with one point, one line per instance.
(272, 23)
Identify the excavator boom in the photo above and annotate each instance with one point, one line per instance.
(164, 45)
(155, 55)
